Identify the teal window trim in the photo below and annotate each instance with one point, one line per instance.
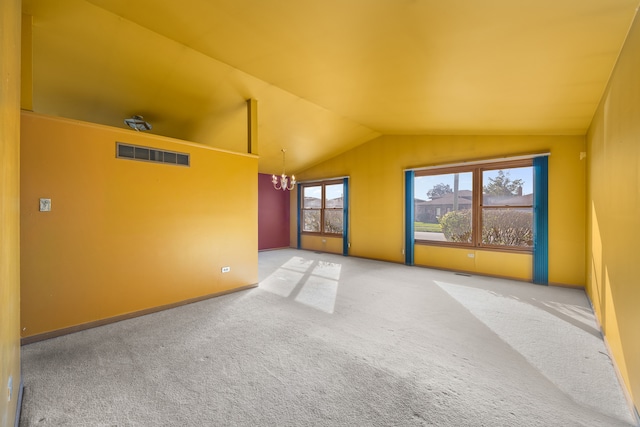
(409, 239)
(345, 217)
(541, 220)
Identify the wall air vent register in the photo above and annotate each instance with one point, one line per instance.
(146, 154)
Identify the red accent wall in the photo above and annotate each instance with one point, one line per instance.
(273, 215)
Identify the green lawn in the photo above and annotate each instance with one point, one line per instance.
(425, 226)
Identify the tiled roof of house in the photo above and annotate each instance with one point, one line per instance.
(464, 198)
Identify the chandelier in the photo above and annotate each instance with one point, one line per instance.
(282, 182)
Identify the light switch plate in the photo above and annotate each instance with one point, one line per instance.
(45, 205)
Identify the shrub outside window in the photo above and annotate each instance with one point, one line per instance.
(446, 195)
(322, 208)
(507, 207)
(489, 205)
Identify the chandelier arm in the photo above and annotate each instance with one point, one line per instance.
(274, 181)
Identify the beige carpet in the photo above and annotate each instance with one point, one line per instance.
(333, 341)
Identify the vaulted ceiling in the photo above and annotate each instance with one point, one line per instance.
(327, 75)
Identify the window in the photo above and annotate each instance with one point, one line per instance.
(448, 197)
(322, 207)
(486, 205)
(507, 207)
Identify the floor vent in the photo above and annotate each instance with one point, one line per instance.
(146, 154)
(462, 274)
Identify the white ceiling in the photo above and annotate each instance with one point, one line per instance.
(327, 75)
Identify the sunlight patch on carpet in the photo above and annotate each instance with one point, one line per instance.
(309, 282)
(319, 293)
(282, 282)
(297, 263)
(539, 331)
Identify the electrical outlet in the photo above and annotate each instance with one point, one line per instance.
(10, 389)
(45, 205)
(226, 269)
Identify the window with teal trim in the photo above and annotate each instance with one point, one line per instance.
(321, 210)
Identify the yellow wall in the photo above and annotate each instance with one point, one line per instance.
(10, 18)
(322, 243)
(613, 209)
(494, 263)
(376, 199)
(123, 235)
